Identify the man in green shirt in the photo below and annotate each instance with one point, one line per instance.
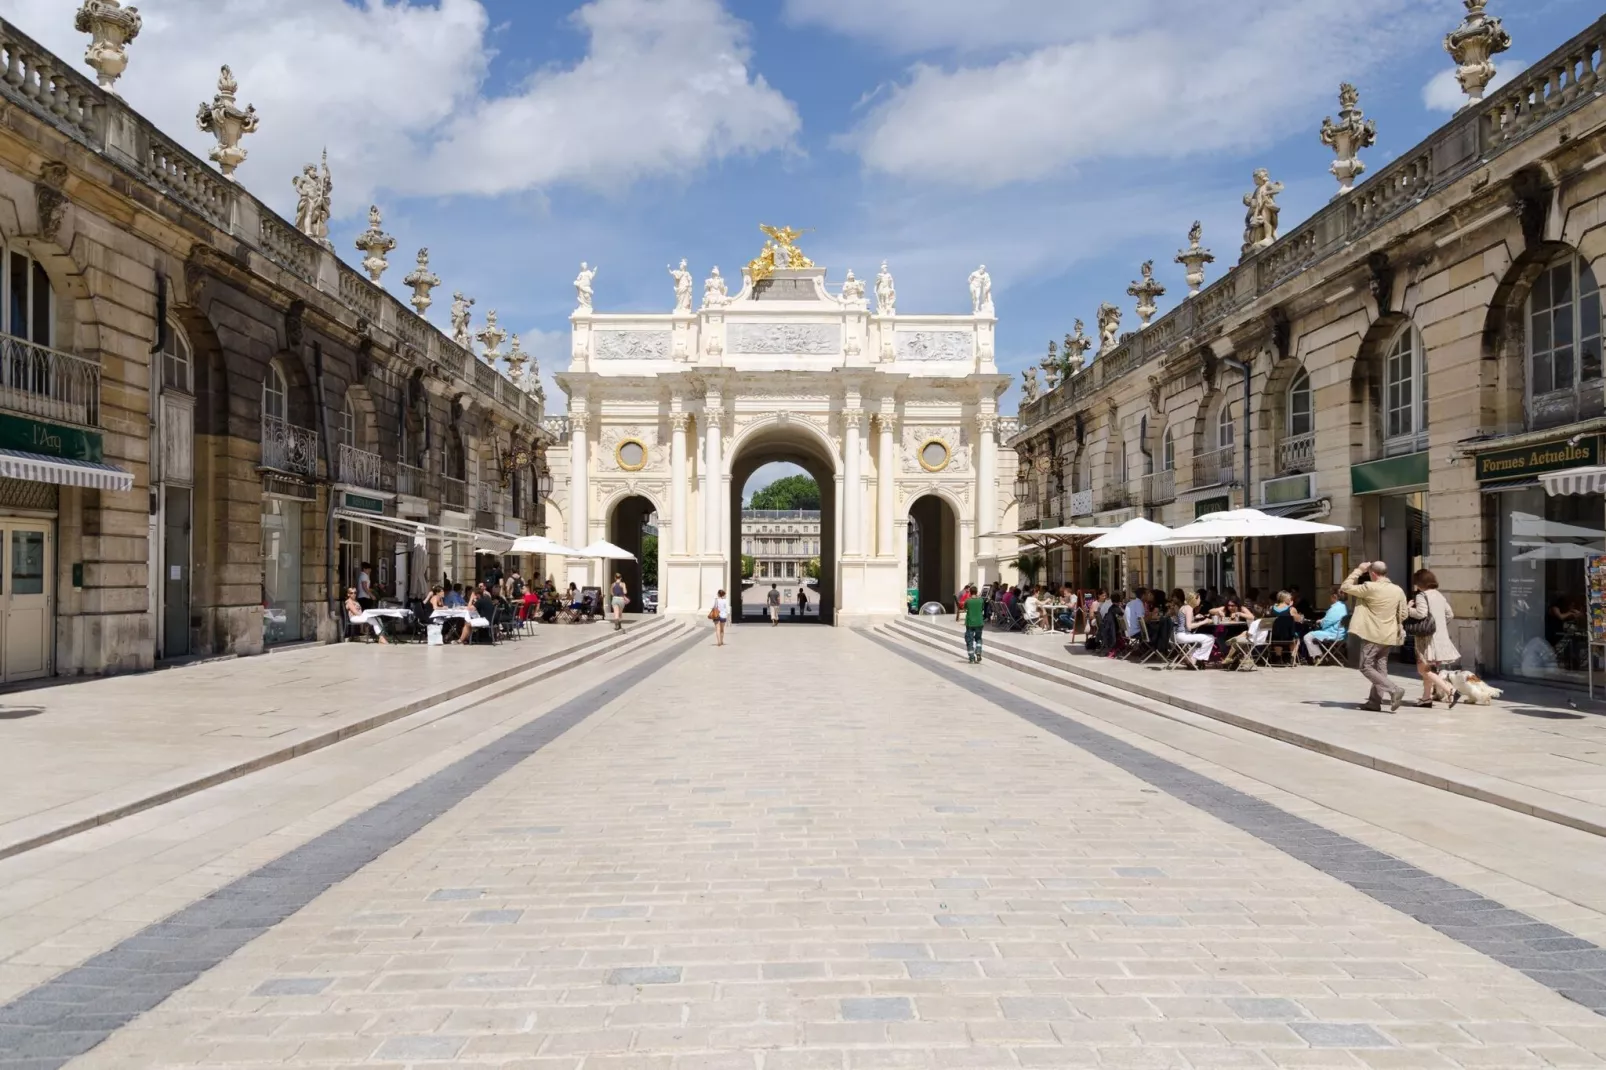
(975, 613)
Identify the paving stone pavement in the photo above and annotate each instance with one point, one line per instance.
(876, 868)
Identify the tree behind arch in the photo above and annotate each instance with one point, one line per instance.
(788, 492)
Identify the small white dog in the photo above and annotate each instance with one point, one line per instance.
(1471, 687)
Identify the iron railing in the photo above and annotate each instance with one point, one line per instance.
(1215, 468)
(1296, 454)
(1160, 487)
(48, 383)
(359, 468)
(454, 493)
(409, 480)
(1080, 504)
(288, 448)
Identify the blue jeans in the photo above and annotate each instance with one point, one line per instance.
(973, 642)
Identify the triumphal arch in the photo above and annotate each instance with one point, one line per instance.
(894, 414)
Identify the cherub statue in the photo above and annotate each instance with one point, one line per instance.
(1109, 319)
(1076, 347)
(460, 316)
(1028, 386)
(1260, 222)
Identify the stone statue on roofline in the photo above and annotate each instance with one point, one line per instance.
(582, 287)
(715, 292)
(682, 279)
(460, 317)
(1075, 350)
(1109, 320)
(886, 296)
(1028, 386)
(1260, 222)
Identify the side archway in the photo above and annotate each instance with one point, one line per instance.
(628, 518)
(934, 549)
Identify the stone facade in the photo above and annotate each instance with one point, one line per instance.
(236, 363)
(1419, 285)
(781, 543)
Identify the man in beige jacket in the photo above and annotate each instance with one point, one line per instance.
(1379, 610)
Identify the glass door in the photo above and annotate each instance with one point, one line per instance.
(25, 602)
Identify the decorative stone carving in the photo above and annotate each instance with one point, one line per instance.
(715, 293)
(1260, 222)
(633, 345)
(374, 243)
(1076, 347)
(853, 292)
(460, 317)
(582, 287)
(225, 121)
(814, 339)
(714, 347)
(886, 295)
(314, 189)
(1194, 258)
(111, 27)
(422, 280)
(1109, 320)
(682, 279)
(934, 345)
(1146, 290)
(50, 198)
(1028, 386)
(1472, 45)
(491, 336)
(954, 440)
(516, 358)
(1347, 137)
(1051, 365)
(981, 292)
(850, 347)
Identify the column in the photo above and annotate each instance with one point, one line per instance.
(579, 481)
(886, 482)
(713, 478)
(679, 519)
(852, 487)
(986, 482)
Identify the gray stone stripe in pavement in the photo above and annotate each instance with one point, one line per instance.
(1557, 959)
(49, 1025)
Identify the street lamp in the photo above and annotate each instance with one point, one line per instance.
(543, 482)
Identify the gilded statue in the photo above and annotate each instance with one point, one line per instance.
(779, 253)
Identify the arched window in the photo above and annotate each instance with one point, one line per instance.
(452, 456)
(1168, 451)
(1564, 342)
(177, 362)
(348, 425)
(1120, 462)
(275, 394)
(30, 304)
(1226, 429)
(1301, 419)
(1405, 394)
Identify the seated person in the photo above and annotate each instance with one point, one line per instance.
(1232, 612)
(1284, 606)
(354, 612)
(1137, 607)
(484, 606)
(454, 597)
(1330, 629)
(1241, 646)
(574, 596)
(1184, 608)
(529, 604)
(1033, 609)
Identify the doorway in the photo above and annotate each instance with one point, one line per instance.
(629, 528)
(934, 552)
(26, 597)
(176, 530)
(793, 445)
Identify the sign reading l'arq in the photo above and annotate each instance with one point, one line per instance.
(1532, 460)
(52, 440)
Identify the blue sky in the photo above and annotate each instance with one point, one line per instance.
(1061, 142)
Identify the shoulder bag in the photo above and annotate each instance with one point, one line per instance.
(1421, 627)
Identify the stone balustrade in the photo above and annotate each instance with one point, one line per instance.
(1296, 454)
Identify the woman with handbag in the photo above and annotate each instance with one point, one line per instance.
(720, 614)
(1428, 623)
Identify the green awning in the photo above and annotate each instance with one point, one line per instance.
(1389, 474)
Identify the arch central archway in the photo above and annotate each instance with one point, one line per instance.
(793, 445)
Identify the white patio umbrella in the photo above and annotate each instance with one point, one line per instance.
(1246, 524)
(607, 551)
(1556, 551)
(1134, 533)
(540, 544)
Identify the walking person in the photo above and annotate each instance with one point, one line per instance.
(720, 614)
(802, 602)
(1429, 625)
(1376, 621)
(773, 600)
(975, 615)
(620, 597)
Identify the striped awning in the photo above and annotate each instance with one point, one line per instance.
(37, 468)
(1591, 480)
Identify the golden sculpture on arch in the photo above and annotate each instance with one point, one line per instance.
(779, 253)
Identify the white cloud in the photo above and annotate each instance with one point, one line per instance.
(920, 25)
(1443, 92)
(1139, 88)
(665, 87)
(394, 88)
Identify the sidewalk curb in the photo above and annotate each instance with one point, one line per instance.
(559, 661)
(1453, 779)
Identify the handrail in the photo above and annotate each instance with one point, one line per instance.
(47, 383)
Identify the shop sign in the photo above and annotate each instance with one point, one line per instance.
(1287, 490)
(1389, 474)
(1532, 460)
(1211, 505)
(52, 440)
(363, 503)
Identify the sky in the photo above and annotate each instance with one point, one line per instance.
(1060, 142)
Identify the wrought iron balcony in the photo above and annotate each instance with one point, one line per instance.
(488, 498)
(359, 468)
(1160, 487)
(1297, 453)
(49, 384)
(1215, 468)
(288, 448)
(454, 493)
(409, 480)
(1115, 497)
(1080, 504)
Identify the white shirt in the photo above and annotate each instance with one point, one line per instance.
(1134, 616)
(1031, 605)
(362, 584)
(724, 607)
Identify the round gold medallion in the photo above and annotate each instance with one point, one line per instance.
(631, 455)
(934, 455)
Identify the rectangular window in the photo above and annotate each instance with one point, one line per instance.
(789, 573)
(17, 296)
(27, 562)
(41, 306)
